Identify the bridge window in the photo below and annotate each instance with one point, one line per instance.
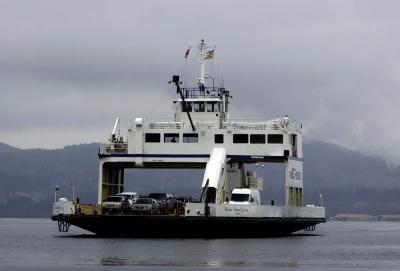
(171, 138)
(257, 139)
(211, 107)
(152, 137)
(190, 138)
(275, 139)
(198, 106)
(240, 138)
(219, 138)
(188, 105)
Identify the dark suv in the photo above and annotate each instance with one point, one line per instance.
(167, 201)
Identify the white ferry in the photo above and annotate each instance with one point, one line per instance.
(202, 135)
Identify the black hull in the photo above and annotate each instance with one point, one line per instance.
(187, 227)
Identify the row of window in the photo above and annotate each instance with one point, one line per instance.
(201, 107)
(218, 138)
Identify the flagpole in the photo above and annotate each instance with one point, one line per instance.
(202, 71)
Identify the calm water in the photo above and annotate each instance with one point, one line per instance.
(35, 244)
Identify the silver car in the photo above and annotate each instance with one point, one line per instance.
(115, 204)
(145, 206)
(130, 196)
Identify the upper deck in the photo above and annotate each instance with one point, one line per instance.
(201, 122)
(172, 142)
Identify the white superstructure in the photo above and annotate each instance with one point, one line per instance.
(202, 135)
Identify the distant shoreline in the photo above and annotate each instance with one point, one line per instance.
(365, 217)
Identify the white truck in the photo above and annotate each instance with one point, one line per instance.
(121, 202)
(245, 196)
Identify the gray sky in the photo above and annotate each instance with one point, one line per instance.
(68, 68)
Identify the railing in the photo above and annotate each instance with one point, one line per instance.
(250, 124)
(166, 125)
(209, 92)
(88, 209)
(233, 124)
(205, 125)
(112, 148)
(261, 124)
(244, 126)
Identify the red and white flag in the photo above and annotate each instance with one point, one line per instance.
(187, 52)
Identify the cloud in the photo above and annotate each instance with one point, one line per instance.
(67, 69)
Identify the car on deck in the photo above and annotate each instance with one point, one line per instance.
(167, 201)
(131, 196)
(145, 206)
(245, 196)
(116, 204)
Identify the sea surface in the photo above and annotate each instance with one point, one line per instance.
(36, 244)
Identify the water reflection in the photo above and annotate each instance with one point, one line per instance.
(115, 261)
(123, 261)
(36, 245)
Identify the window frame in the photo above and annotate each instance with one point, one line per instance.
(238, 139)
(189, 106)
(172, 136)
(215, 138)
(213, 107)
(152, 134)
(190, 135)
(272, 140)
(252, 137)
(199, 107)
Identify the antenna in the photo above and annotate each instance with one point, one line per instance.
(113, 138)
(115, 126)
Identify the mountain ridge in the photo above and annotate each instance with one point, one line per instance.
(349, 181)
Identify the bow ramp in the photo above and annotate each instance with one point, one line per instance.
(214, 180)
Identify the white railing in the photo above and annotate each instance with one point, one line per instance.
(205, 125)
(114, 148)
(261, 124)
(244, 126)
(166, 125)
(233, 124)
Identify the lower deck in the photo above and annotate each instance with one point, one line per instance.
(195, 220)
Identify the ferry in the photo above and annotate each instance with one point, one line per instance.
(201, 135)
